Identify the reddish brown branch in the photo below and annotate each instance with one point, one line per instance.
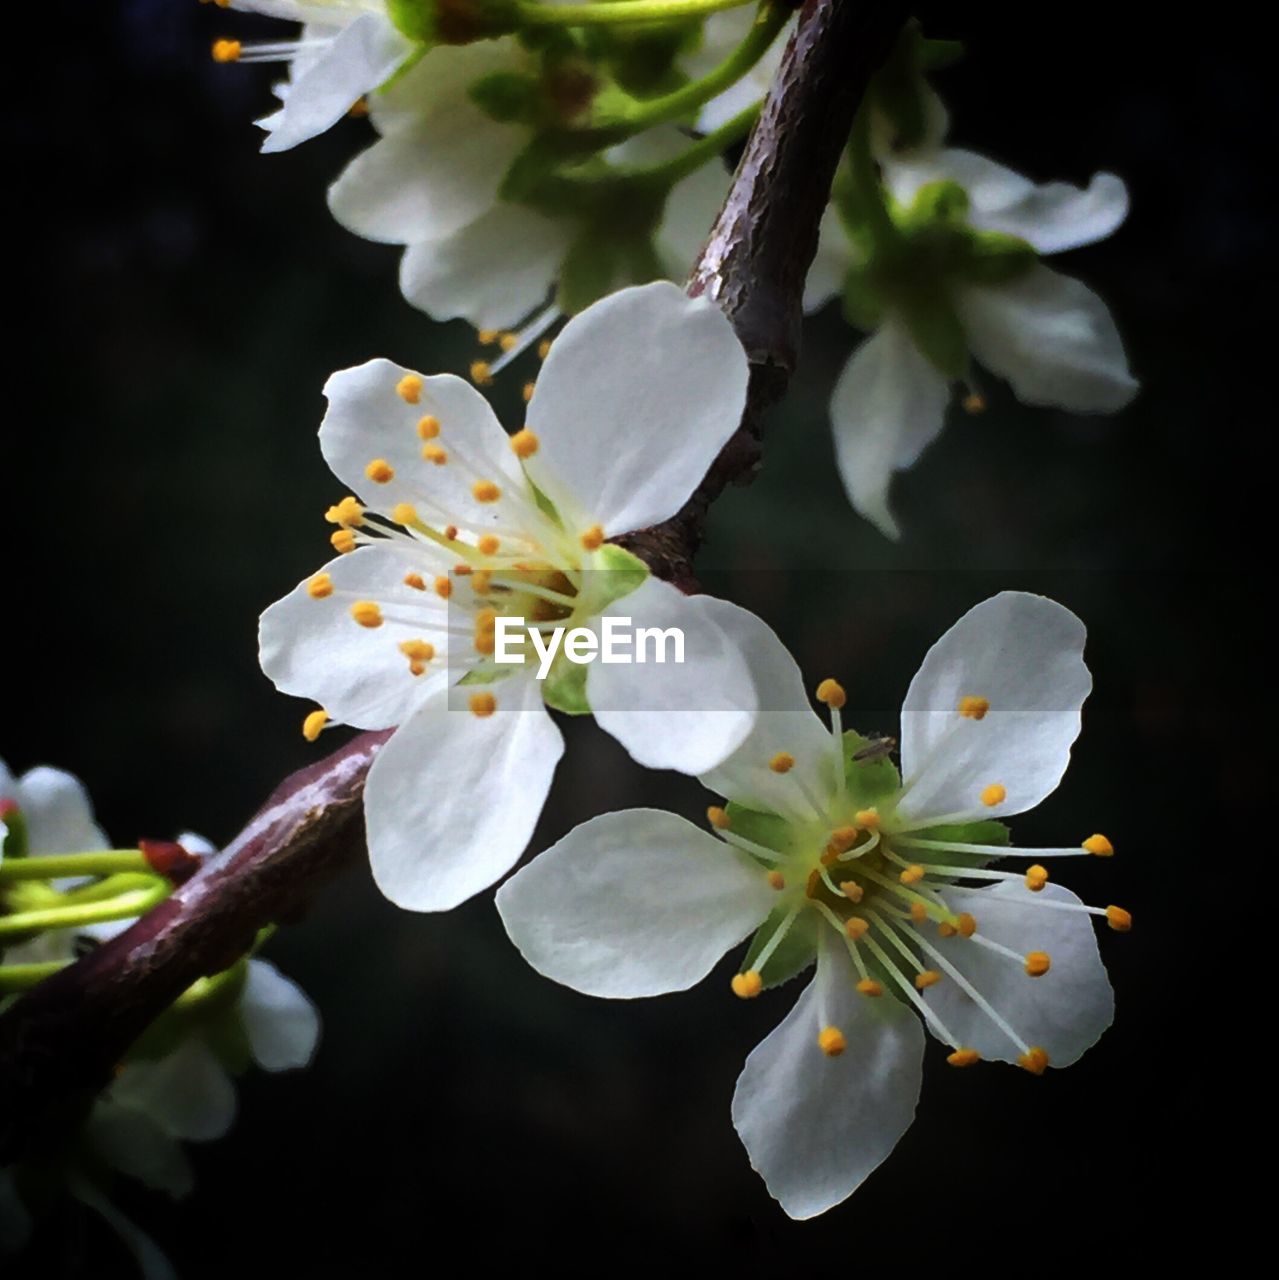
(59, 1042)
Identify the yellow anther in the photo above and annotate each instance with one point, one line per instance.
(415, 580)
(227, 50)
(524, 443)
(489, 544)
(963, 1057)
(428, 427)
(507, 341)
(869, 987)
(718, 818)
(320, 586)
(417, 650)
(972, 707)
(832, 1041)
(1036, 877)
(485, 491)
(831, 692)
(487, 337)
(485, 642)
(946, 929)
(1119, 919)
(462, 570)
(527, 391)
(852, 890)
(965, 923)
(994, 794)
(366, 613)
(843, 838)
(348, 513)
(593, 538)
(747, 985)
(443, 588)
(918, 912)
(435, 453)
(1099, 846)
(974, 402)
(1033, 1060)
(312, 725)
(1038, 963)
(404, 513)
(481, 580)
(485, 619)
(343, 541)
(380, 471)
(776, 880)
(926, 979)
(855, 927)
(913, 874)
(450, 531)
(867, 819)
(481, 373)
(482, 704)
(782, 762)
(544, 348)
(409, 388)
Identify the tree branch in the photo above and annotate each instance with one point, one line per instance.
(60, 1042)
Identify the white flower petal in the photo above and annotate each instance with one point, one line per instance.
(632, 904)
(1063, 1012)
(135, 1144)
(721, 34)
(1052, 338)
(187, 1093)
(686, 716)
(362, 55)
(816, 1127)
(281, 1023)
(830, 264)
(368, 419)
(452, 799)
(58, 812)
(1022, 653)
(786, 722)
(492, 272)
(314, 649)
(889, 403)
(638, 395)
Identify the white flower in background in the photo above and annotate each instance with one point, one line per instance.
(55, 809)
(346, 48)
(1047, 334)
(462, 524)
(872, 876)
(721, 34)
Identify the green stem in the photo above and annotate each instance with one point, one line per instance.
(54, 866)
(611, 12)
(22, 977)
(669, 172)
(131, 903)
(863, 196)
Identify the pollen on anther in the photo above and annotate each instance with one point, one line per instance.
(776, 880)
(926, 979)
(320, 586)
(481, 580)
(867, 819)
(489, 544)
(227, 50)
(747, 985)
(593, 538)
(972, 707)
(481, 373)
(366, 613)
(482, 704)
(974, 402)
(404, 513)
(843, 838)
(782, 762)
(852, 890)
(417, 650)
(1099, 846)
(343, 541)
(832, 1041)
(348, 513)
(435, 454)
(507, 341)
(856, 927)
(1119, 919)
(1033, 1060)
(443, 588)
(313, 724)
(912, 875)
(831, 692)
(1038, 963)
(428, 427)
(409, 388)
(963, 1057)
(994, 794)
(869, 987)
(380, 471)
(966, 924)
(527, 391)
(487, 337)
(918, 912)
(946, 929)
(450, 532)
(415, 580)
(524, 443)
(544, 348)
(1036, 877)
(813, 885)
(485, 491)
(718, 818)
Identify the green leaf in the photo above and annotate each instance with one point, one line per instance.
(869, 782)
(759, 828)
(616, 575)
(565, 686)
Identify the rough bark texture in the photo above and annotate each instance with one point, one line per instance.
(60, 1041)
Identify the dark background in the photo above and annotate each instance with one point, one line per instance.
(177, 302)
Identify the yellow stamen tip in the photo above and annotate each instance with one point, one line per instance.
(843, 838)
(718, 818)
(417, 650)
(963, 1057)
(966, 924)
(227, 50)
(912, 875)
(415, 580)
(1033, 1060)
(1036, 877)
(482, 704)
(343, 541)
(485, 491)
(832, 1041)
(867, 819)
(544, 348)
(489, 544)
(974, 402)
(946, 929)
(831, 692)
(409, 388)
(428, 427)
(782, 762)
(776, 880)
(852, 890)
(404, 513)
(1099, 846)
(856, 927)
(507, 341)
(312, 725)
(348, 513)
(320, 586)
(994, 794)
(524, 443)
(380, 471)
(487, 337)
(366, 613)
(972, 707)
(443, 588)
(869, 987)
(435, 454)
(1038, 963)
(747, 985)
(527, 392)
(481, 373)
(1119, 919)
(593, 538)
(926, 979)
(918, 912)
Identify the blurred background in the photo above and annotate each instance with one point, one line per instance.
(178, 301)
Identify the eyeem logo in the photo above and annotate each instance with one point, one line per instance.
(617, 641)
